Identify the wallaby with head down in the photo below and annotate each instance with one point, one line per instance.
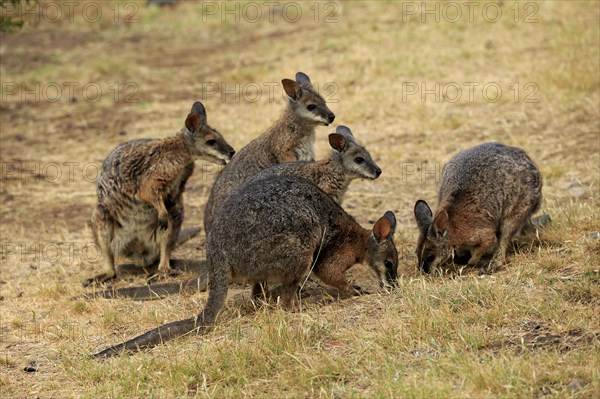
(289, 139)
(348, 161)
(487, 195)
(140, 193)
(278, 229)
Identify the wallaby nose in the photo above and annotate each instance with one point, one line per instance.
(231, 152)
(330, 117)
(377, 172)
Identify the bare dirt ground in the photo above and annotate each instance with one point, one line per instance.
(72, 90)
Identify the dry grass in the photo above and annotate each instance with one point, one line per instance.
(531, 330)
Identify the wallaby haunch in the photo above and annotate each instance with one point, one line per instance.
(289, 139)
(140, 193)
(349, 161)
(487, 195)
(279, 229)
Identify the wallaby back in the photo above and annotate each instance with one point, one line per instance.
(289, 139)
(349, 160)
(486, 195)
(140, 191)
(278, 229)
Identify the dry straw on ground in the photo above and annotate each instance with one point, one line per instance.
(531, 330)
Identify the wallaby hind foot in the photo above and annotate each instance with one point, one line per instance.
(162, 275)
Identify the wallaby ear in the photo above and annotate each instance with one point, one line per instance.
(197, 118)
(441, 221)
(423, 215)
(341, 129)
(383, 228)
(303, 79)
(392, 218)
(291, 88)
(337, 142)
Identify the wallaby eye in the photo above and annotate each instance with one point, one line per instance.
(311, 107)
(430, 259)
(211, 142)
(388, 264)
(359, 160)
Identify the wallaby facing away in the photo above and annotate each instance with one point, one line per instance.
(289, 139)
(278, 229)
(140, 193)
(349, 160)
(487, 194)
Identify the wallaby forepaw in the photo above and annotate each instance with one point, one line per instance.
(489, 268)
(358, 290)
(99, 279)
(163, 224)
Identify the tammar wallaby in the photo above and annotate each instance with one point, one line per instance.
(349, 160)
(140, 193)
(279, 229)
(289, 139)
(487, 195)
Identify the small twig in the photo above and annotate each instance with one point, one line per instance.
(315, 261)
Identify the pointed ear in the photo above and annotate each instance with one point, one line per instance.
(337, 142)
(441, 221)
(423, 215)
(344, 130)
(383, 228)
(392, 218)
(196, 119)
(303, 79)
(291, 88)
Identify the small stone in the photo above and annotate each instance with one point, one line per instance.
(31, 367)
(594, 236)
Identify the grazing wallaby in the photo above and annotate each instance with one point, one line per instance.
(278, 229)
(289, 139)
(349, 160)
(140, 193)
(487, 194)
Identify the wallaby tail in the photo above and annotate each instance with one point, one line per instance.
(216, 298)
(187, 234)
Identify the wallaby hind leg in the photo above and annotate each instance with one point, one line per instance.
(104, 234)
(508, 230)
(259, 290)
(289, 295)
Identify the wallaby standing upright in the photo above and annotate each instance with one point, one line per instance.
(349, 160)
(289, 139)
(279, 229)
(487, 194)
(140, 193)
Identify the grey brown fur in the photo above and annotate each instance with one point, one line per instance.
(277, 229)
(289, 139)
(140, 193)
(487, 195)
(349, 161)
